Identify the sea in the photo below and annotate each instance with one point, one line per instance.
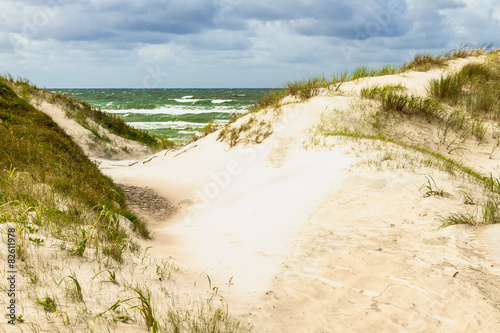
(179, 114)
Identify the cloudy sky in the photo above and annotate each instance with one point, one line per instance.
(226, 43)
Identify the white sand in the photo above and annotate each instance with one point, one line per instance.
(313, 243)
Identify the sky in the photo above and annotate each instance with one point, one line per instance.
(226, 43)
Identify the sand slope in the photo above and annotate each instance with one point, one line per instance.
(94, 148)
(310, 241)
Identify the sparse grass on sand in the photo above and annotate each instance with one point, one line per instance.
(462, 105)
(423, 62)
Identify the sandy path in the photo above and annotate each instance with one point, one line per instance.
(238, 209)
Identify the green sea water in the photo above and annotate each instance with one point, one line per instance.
(177, 113)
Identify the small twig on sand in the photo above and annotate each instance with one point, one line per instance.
(149, 159)
(185, 150)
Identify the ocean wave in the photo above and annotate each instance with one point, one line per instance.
(220, 101)
(152, 125)
(177, 111)
(188, 96)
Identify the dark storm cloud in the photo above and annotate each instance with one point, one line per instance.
(172, 17)
(102, 20)
(130, 21)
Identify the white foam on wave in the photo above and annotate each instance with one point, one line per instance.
(186, 100)
(152, 125)
(220, 101)
(189, 132)
(188, 96)
(177, 111)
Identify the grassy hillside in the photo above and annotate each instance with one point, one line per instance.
(47, 181)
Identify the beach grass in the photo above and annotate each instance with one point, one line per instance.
(423, 62)
(393, 97)
(475, 88)
(43, 163)
(307, 88)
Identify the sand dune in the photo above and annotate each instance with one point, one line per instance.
(310, 240)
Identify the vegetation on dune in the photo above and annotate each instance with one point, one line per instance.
(393, 100)
(42, 171)
(55, 195)
(461, 106)
(82, 112)
(475, 88)
(423, 62)
(304, 89)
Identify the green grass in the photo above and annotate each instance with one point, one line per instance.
(430, 188)
(82, 111)
(447, 88)
(378, 91)
(49, 305)
(39, 163)
(448, 164)
(210, 127)
(424, 62)
(458, 104)
(490, 208)
(392, 99)
(146, 309)
(490, 214)
(271, 99)
(307, 88)
(475, 88)
(365, 71)
(457, 218)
